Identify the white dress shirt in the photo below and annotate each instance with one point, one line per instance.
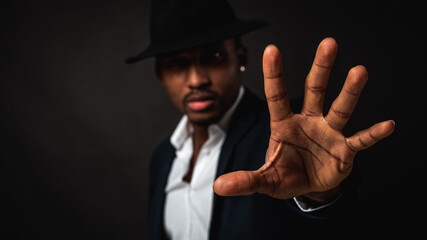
(188, 205)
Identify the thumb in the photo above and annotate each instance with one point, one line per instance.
(238, 183)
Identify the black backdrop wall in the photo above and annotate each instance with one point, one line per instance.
(78, 125)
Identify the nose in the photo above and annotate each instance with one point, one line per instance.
(197, 77)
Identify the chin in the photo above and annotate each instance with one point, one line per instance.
(204, 119)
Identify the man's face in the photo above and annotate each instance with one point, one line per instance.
(203, 82)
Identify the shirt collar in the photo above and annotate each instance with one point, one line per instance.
(184, 129)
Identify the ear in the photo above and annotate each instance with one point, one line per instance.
(242, 53)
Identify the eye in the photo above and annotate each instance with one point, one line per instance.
(176, 63)
(212, 57)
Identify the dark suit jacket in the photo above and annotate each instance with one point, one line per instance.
(245, 217)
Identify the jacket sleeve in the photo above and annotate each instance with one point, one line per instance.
(346, 205)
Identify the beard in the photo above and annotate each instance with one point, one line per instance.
(205, 121)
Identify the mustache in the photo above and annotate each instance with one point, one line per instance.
(198, 95)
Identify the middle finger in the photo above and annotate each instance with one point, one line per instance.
(317, 78)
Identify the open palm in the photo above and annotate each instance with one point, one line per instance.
(307, 153)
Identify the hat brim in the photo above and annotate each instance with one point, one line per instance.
(233, 29)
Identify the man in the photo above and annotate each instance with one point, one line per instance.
(290, 168)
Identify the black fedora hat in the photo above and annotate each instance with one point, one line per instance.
(181, 24)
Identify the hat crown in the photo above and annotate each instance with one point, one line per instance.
(176, 25)
(179, 18)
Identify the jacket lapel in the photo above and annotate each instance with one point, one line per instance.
(157, 201)
(244, 118)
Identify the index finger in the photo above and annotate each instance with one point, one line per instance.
(274, 84)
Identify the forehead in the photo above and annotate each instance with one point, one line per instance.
(225, 45)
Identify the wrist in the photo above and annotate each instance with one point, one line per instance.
(324, 197)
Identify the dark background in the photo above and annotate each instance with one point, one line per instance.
(78, 125)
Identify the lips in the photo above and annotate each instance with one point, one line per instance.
(199, 101)
(201, 105)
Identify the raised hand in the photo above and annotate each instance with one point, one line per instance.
(307, 154)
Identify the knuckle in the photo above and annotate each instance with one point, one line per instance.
(350, 145)
(340, 114)
(317, 90)
(373, 138)
(273, 75)
(361, 142)
(278, 96)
